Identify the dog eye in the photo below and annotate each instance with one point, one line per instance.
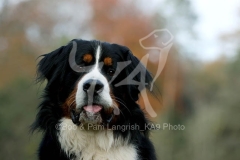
(110, 72)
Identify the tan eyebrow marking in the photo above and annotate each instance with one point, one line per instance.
(107, 61)
(87, 58)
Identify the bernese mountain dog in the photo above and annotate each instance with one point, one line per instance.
(89, 108)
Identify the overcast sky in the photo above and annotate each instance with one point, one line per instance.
(214, 21)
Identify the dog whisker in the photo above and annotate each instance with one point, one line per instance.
(123, 105)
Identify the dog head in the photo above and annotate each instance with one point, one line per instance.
(92, 82)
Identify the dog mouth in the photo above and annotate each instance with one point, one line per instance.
(92, 114)
(94, 109)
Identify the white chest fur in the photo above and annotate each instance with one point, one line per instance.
(89, 145)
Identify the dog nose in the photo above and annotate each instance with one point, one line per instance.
(93, 85)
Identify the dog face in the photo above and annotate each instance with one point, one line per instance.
(95, 93)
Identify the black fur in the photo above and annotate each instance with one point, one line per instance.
(61, 80)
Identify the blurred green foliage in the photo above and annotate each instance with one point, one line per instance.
(212, 130)
(18, 102)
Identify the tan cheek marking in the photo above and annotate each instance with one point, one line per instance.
(87, 58)
(108, 61)
(69, 104)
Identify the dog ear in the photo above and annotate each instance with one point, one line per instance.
(138, 77)
(52, 64)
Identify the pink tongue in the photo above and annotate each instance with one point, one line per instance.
(92, 108)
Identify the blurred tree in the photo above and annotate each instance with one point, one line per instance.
(123, 23)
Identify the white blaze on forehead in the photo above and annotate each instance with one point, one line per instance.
(98, 52)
